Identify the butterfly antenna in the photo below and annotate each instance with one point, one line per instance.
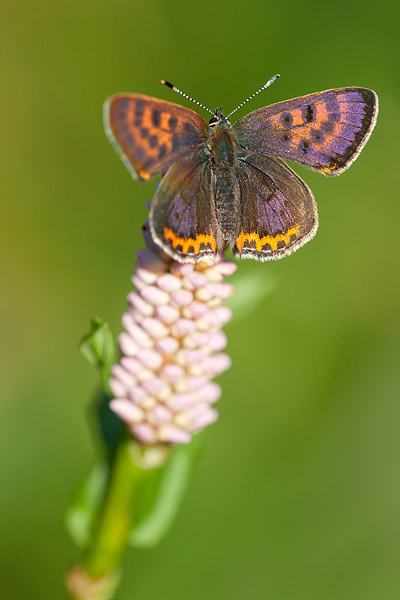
(175, 89)
(269, 82)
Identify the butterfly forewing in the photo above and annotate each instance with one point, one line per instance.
(278, 211)
(183, 220)
(151, 134)
(325, 131)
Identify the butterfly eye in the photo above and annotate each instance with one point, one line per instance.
(214, 120)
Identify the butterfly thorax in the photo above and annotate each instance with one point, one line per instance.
(221, 145)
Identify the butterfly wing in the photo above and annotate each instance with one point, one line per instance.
(279, 214)
(151, 134)
(325, 131)
(182, 215)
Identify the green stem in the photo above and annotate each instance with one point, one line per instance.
(97, 576)
(112, 533)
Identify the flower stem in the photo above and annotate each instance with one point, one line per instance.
(97, 577)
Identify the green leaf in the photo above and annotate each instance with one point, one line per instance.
(82, 512)
(99, 348)
(162, 491)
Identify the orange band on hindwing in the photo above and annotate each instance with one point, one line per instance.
(186, 243)
(266, 239)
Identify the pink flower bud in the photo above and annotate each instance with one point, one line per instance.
(127, 410)
(140, 305)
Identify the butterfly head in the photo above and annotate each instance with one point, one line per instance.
(218, 118)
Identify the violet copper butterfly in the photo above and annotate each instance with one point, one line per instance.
(226, 186)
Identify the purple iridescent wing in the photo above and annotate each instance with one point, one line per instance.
(279, 213)
(325, 131)
(150, 134)
(183, 221)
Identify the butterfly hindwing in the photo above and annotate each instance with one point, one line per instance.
(325, 131)
(183, 220)
(151, 134)
(278, 210)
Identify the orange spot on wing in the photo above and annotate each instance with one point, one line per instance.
(297, 117)
(302, 132)
(322, 113)
(266, 239)
(187, 242)
(165, 117)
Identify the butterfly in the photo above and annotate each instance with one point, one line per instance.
(226, 186)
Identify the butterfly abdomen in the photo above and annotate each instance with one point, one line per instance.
(226, 198)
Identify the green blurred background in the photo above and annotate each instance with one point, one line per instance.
(298, 492)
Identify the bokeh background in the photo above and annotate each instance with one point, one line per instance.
(297, 494)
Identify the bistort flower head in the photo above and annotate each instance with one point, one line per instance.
(171, 347)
